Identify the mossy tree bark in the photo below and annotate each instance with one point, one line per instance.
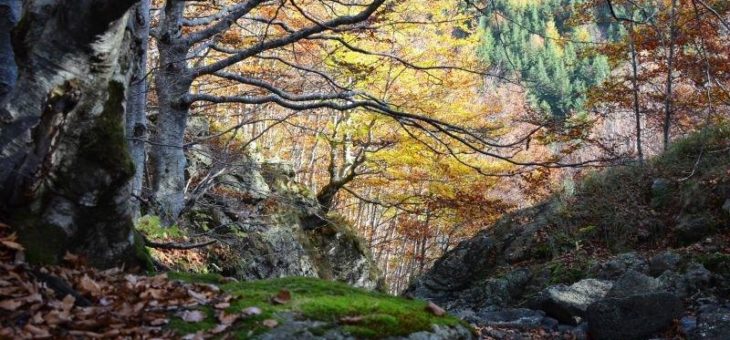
(65, 174)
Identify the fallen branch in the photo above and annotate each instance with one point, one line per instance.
(178, 246)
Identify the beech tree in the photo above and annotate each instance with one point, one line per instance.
(64, 165)
(180, 38)
(203, 48)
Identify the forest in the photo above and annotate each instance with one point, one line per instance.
(365, 169)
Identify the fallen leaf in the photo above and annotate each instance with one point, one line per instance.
(435, 309)
(219, 329)
(270, 323)
(282, 297)
(250, 311)
(12, 245)
(222, 305)
(193, 316)
(68, 302)
(71, 257)
(228, 319)
(199, 297)
(158, 322)
(351, 320)
(89, 285)
(10, 305)
(194, 336)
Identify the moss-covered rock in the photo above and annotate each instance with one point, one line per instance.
(257, 210)
(320, 307)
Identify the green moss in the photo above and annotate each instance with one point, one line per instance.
(142, 253)
(209, 278)
(152, 227)
(383, 315)
(562, 273)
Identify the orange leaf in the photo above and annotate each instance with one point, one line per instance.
(435, 309)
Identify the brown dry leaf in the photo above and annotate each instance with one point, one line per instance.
(68, 303)
(12, 244)
(194, 336)
(10, 305)
(228, 319)
(435, 309)
(89, 285)
(37, 331)
(156, 294)
(250, 311)
(283, 297)
(219, 329)
(270, 323)
(199, 297)
(193, 316)
(71, 257)
(159, 322)
(351, 320)
(222, 305)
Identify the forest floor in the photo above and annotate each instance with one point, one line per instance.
(73, 300)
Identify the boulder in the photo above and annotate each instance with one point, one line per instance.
(518, 318)
(618, 265)
(633, 317)
(697, 276)
(667, 260)
(674, 283)
(496, 292)
(693, 228)
(633, 283)
(712, 326)
(456, 270)
(661, 190)
(568, 303)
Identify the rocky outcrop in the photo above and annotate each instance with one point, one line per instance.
(257, 210)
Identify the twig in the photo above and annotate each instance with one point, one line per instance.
(179, 246)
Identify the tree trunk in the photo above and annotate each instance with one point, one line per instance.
(172, 82)
(64, 179)
(670, 61)
(136, 127)
(635, 84)
(9, 15)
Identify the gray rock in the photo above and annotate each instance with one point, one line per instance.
(441, 333)
(269, 240)
(291, 328)
(633, 317)
(661, 189)
(712, 326)
(633, 283)
(455, 270)
(518, 318)
(697, 276)
(566, 303)
(550, 323)
(687, 325)
(693, 228)
(674, 283)
(667, 260)
(726, 206)
(618, 265)
(498, 292)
